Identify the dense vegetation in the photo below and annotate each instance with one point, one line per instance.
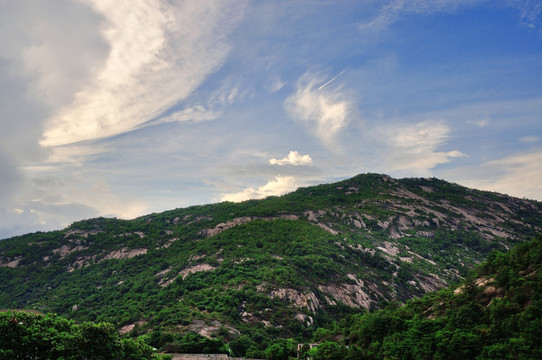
(244, 277)
(495, 314)
(33, 336)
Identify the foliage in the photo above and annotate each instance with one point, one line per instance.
(496, 314)
(281, 349)
(33, 336)
(196, 344)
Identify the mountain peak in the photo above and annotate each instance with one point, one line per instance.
(283, 265)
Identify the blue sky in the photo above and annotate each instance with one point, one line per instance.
(122, 108)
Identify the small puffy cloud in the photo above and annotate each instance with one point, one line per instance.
(518, 175)
(414, 147)
(293, 158)
(320, 105)
(280, 185)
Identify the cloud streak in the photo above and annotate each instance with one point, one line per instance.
(393, 10)
(414, 147)
(319, 105)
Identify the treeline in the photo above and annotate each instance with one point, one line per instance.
(33, 336)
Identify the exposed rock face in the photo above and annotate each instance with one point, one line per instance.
(65, 250)
(82, 233)
(124, 253)
(195, 269)
(313, 216)
(11, 264)
(129, 327)
(210, 329)
(389, 248)
(162, 273)
(353, 295)
(431, 283)
(298, 299)
(224, 226)
(241, 220)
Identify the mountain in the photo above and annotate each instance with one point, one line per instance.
(247, 273)
(494, 314)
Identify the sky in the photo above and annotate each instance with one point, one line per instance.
(121, 108)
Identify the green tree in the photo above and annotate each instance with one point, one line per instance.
(281, 349)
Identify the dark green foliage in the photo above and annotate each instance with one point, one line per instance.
(193, 343)
(482, 319)
(281, 349)
(32, 336)
(329, 350)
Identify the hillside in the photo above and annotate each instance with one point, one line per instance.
(495, 314)
(278, 267)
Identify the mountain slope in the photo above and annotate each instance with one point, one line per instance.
(495, 314)
(281, 266)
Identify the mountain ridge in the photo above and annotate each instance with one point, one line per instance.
(280, 266)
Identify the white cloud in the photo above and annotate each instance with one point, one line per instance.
(529, 11)
(529, 139)
(481, 123)
(320, 105)
(47, 193)
(195, 113)
(49, 50)
(293, 158)
(415, 147)
(160, 52)
(109, 203)
(279, 186)
(52, 198)
(517, 175)
(276, 84)
(393, 10)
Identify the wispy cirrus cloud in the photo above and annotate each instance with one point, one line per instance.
(530, 12)
(276, 84)
(195, 113)
(319, 102)
(529, 139)
(160, 52)
(415, 147)
(293, 158)
(393, 10)
(280, 185)
(518, 174)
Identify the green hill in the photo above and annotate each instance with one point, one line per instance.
(495, 314)
(246, 273)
